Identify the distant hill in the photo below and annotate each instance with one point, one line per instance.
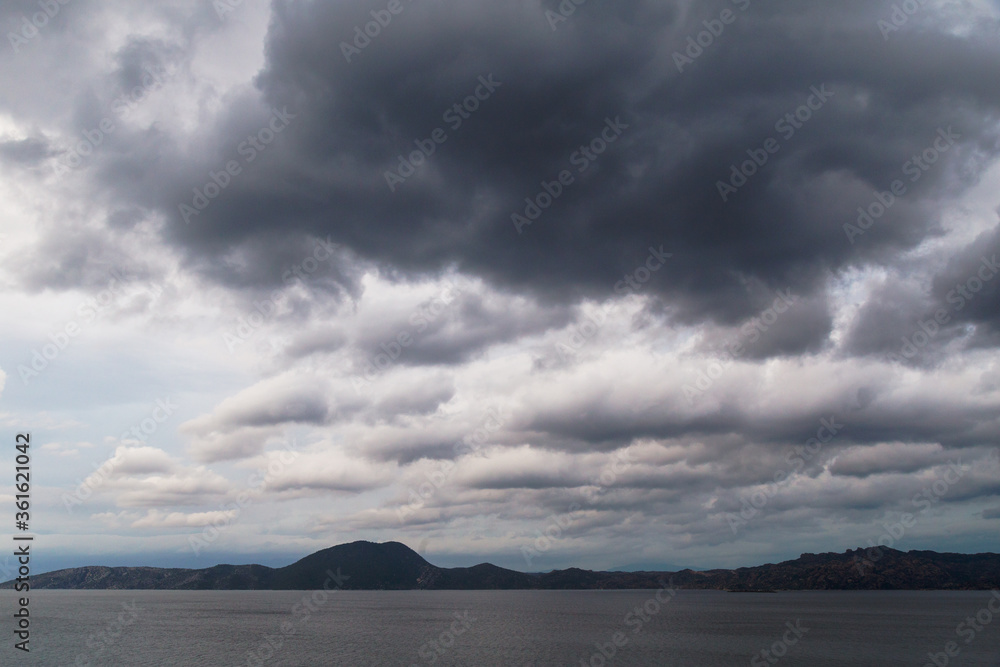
(887, 569)
(394, 566)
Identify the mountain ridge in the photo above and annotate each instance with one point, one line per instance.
(366, 565)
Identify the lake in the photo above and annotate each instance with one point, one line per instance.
(525, 628)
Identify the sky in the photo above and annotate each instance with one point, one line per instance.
(635, 284)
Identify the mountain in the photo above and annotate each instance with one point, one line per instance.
(394, 566)
(219, 577)
(882, 569)
(368, 566)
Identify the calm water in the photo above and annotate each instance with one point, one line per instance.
(536, 628)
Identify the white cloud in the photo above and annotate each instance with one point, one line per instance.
(158, 519)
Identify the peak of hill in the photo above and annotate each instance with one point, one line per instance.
(368, 566)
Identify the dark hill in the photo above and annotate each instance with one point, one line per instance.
(483, 576)
(368, 566)
(394, 566)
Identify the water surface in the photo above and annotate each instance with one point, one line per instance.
(536, 628)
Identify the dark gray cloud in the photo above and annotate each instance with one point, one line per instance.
(76, 257)
(786, 325)
(969, 285)
(140, 61)
(888, 457)
(886, 324)
(655, 185)
(26, 152)
(918, 324)
(454, 326)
